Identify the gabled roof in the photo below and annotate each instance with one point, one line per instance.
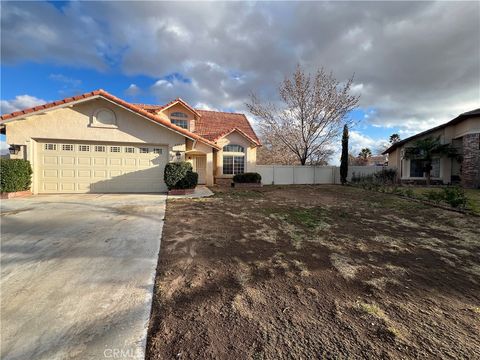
(102, 93)
(459, 118)
(184, 103)
(214, 125)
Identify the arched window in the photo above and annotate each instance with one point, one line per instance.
(233, 159)
(233, 148)
(178, 114)
(104, 118)
(180, 119)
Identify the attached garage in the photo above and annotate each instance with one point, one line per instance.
(100, 167)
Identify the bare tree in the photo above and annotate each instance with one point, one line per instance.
(311, 117)
(273, 153)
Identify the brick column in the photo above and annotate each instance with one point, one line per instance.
(471, 161)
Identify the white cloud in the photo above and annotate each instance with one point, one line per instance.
(203, 106)
(133, 90)
(66, 80)
(409, 58)
(19, 103)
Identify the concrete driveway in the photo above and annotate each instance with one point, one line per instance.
(77, 274)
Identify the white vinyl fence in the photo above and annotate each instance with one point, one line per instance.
(297, 174)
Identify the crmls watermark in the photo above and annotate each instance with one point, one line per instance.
(116, 353)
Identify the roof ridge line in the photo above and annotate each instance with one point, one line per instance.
(223, 112)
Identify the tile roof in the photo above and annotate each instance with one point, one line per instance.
(106, 95)
(213, 125)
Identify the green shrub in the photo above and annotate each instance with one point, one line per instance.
(15, 175)
(249, 177)
(453, 196)
(179, 175)
(386, 176)
(188, 182)
(434, 195)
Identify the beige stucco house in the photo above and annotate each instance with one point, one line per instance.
(96, 142)
(463, 133)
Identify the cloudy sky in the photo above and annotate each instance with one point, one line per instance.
(416, 64)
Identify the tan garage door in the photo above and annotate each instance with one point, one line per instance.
(82, 167)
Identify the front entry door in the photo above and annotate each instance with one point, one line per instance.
(199, 166)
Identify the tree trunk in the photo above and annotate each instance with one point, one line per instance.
(428, 170)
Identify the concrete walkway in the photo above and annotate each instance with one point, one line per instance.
(77, 274)
(200, 191)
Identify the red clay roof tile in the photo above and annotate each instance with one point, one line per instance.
(215, 124)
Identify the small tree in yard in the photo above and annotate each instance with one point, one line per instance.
(344, 157)
(394, 138)
(427, 148)
(311, 116)
(365, 153)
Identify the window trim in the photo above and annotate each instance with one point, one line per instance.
(432, 175)
(179, 114)
(185, 121)
(234, 159)
(94, 122)
(227, 150)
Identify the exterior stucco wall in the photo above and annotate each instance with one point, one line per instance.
(250, 153)
(75, 123)
(469, 126)
(179, 107)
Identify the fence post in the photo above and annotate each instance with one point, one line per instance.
(273, 174)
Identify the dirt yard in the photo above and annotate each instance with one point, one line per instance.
(303, 272)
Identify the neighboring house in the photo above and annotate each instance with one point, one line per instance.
(377, 160)
(96, 142)
(463, 133)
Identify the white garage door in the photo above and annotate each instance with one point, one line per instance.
(82, 167)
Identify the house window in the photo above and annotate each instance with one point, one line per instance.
(67, 147)
(157, 151)
(435, 168)
(417, 168)
(83, 147)
(233, 159)
(129, 150)
(99, 148)
(233, 165)
(180, 119)
(50, 146)
(143, 150)
(115, 149)
(233, 148)
(181, 123)
(178, 114)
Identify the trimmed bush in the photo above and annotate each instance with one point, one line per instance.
(15, 175)
(251, 177)
(179, 175)
(188, 182)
